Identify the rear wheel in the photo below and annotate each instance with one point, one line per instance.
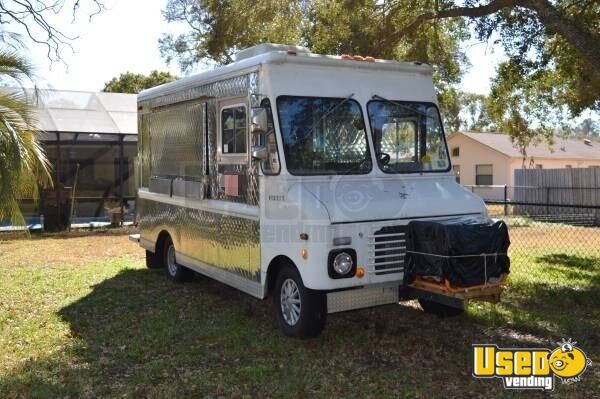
(153, 260)
(300, 312)
(439, 309)
(175, 271)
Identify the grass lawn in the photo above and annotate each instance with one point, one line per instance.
(83, 317)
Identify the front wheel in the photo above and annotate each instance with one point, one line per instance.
(300, 312)
(439, 309)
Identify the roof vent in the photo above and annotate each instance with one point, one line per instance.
(587, 142)
(270, 47)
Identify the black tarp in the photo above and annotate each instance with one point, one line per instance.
(437, 249)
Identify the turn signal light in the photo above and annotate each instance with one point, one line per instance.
(367, 58)
(360, 272)
(304, 253)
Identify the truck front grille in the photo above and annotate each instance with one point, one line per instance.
(387, 247)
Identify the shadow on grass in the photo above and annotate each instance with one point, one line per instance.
(561, 299)
(590, 263)
(137, 334)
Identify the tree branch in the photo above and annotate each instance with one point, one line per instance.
(31, 16)
(554, 21)
(585, 43)
(472, 12)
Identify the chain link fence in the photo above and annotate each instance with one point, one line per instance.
(554, 281)
(545, 222)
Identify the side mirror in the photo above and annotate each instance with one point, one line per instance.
(260, 153)
(259, 121)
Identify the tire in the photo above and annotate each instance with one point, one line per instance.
(175, 271)
(153, 260)
(439, 309)
(305, 318)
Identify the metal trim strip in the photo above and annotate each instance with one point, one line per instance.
(248, 286)
(432, 217)
(147, 244)
(222, 207)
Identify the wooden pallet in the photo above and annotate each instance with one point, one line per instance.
(483, 292)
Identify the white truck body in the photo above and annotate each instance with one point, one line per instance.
(230, 220)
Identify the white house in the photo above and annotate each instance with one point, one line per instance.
(491, 158)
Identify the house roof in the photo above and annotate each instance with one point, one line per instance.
(561, 149)
(85, 112)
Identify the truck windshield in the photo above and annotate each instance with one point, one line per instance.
(323, 136)
(407, 136)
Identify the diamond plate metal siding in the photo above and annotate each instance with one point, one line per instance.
(252, 194)
(341, 301)
(172, 131)
(236, 86)
(213, 183)
(143, 151)
(177, 141)
(228, 242)
(180, 127)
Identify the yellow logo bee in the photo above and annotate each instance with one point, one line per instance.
(568, 362)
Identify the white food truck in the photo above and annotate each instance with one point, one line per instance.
(293, 174)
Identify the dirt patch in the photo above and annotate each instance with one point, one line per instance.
(73, 249)
(555, 237)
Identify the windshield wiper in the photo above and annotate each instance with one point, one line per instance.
(378, 97)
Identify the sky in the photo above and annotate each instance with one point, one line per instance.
(124, 37)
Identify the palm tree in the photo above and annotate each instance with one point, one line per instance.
(24, 167)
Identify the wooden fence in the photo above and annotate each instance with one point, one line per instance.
(555, 190)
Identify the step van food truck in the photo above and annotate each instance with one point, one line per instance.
(301, 176)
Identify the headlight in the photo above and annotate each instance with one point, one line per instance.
(342, 263)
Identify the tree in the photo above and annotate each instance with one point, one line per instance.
(34, 18)
(552, 73)
(575, 21)
(218, 29)
(551, 76)
(587, 128)
(23, 164)
(325, 26)
(130, 82)
(474, 113)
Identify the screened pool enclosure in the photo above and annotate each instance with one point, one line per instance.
(91, 142)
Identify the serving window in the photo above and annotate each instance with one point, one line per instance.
(234, 130)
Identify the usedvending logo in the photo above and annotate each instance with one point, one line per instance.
(535, 368)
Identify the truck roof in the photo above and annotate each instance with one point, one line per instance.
(267, 53)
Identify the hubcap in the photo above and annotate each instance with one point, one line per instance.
(290, 302)
(171, 265)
